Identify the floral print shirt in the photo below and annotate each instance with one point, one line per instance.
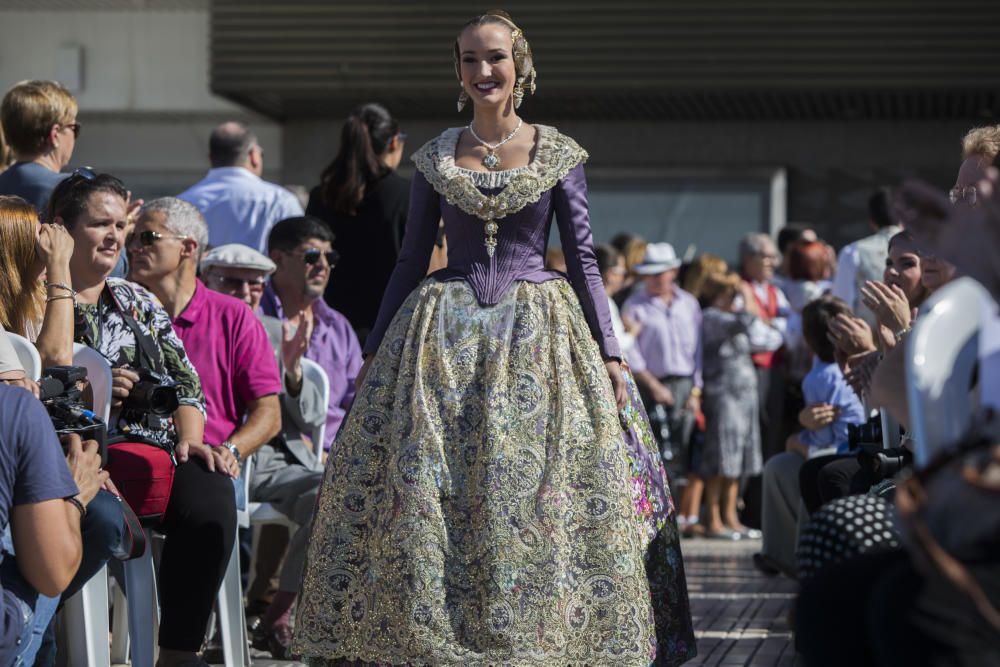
(103, 327)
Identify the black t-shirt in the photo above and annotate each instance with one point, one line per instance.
(368, 244)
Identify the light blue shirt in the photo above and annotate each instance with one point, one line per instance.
(826, 384)
(240, 207)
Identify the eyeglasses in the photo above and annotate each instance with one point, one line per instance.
(403, 136)
(311, 255)
(149, 237)
(966, 195)
(233, 283)
(75, 127)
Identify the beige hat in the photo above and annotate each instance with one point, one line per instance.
(236, 256)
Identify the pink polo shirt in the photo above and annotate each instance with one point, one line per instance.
(229, 348)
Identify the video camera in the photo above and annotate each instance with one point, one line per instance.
(884, 463)
(59, 392)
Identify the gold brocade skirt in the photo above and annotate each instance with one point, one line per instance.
(476, 507)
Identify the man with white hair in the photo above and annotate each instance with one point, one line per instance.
(226, 343)
(286, 472)
(239, 206)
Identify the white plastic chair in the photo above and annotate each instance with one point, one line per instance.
(27, 354)
(99, 375)
(85, 615)
(942, 351)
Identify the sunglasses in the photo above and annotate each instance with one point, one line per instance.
(149, 237)
(311, 255)
(233, 283)
(75, 127)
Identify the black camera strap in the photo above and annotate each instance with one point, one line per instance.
(144, 345)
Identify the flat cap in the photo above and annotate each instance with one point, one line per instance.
(236, 256)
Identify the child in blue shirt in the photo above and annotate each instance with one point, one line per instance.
(825, 383)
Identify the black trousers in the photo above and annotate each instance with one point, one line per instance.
(827, 478)
(200, 525)
(879, 610)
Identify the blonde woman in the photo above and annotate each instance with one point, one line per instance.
(483, 504)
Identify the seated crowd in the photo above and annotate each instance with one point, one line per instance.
(756, 378)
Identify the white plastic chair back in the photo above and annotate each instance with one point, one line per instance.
(941, 356)
(27, 354)
(313, 372)
(99, 375)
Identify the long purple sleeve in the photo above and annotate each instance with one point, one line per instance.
(569, 198)
(414, 256)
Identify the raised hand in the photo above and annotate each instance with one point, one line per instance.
(889, 303)
(851, 335)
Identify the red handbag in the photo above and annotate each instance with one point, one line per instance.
(143, 471)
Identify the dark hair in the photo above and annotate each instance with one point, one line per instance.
(816, 317)
(880, 207)
(358, 166)
(290, 232)
(904, 236)
(69, 199)
(230, 143)
(607, 257)
(807, 260)
(791, 233)
(621, 240)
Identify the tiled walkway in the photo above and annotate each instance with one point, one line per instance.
(740, 616)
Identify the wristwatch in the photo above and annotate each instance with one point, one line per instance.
(233, 449)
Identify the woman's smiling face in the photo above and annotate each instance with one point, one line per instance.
(486, 64)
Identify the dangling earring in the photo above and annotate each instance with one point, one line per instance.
(463, 99)
(518, 94)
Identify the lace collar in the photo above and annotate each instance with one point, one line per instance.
(555, 155)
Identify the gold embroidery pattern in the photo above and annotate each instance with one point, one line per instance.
(555, 156)
(476, 507)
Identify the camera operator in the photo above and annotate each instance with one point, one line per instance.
(42, 504)
(127, 326)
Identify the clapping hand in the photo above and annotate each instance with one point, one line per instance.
(850, 334)
(889, 303)
(295, 343)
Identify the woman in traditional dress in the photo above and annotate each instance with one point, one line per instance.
(494, 497)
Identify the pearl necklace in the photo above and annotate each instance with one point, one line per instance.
(492, 160)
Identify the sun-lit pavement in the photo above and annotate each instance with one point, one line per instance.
(740, 615)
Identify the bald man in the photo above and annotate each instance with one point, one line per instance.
(239, 206)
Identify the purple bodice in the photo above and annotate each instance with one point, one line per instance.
(522, 209)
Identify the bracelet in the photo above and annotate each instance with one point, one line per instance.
(75, 502)
(61, 286)
(898, 335)
(60, 296)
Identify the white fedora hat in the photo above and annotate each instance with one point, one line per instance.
(659, 257)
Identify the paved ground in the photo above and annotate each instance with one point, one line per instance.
(740, 616)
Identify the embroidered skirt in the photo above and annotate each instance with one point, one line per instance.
(481, 505)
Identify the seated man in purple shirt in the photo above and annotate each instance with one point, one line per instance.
(666, 357)
(301, 248)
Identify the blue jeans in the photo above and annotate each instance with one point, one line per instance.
(36, 610)
(102, 531)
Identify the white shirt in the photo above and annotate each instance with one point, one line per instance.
(626, 341)
(847, 273)
(240, 207)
